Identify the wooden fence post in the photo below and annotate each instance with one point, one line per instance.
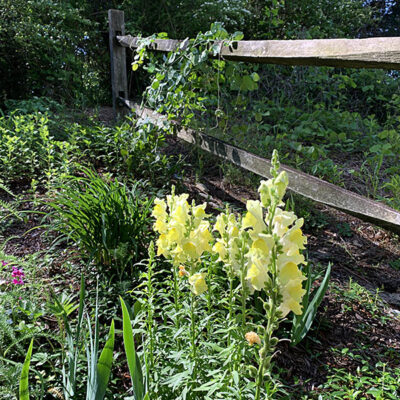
(119, 77)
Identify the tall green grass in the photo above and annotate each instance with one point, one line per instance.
(105, 218)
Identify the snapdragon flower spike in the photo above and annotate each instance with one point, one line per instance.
(285, 239)
(18, 275)
(184, 235)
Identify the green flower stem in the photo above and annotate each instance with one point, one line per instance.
(230, 303)
(176, 301)
(209, 298)
(243, 299)
(150, 308)
(268, 346)
(193, 331)
(243, 271)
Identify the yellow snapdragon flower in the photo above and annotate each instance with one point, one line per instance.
(198, 283)
(292, 294)
(227, 246)
(254, 218)
(184, 232)
(257, 274)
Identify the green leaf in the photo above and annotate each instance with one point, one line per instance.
(155, 85)
(133, 361)
(237, 36)
(23, 381)
(302, 323)
(247, 83)
(235, 377)
(104, 365)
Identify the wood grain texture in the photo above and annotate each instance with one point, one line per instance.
(383, 53)
(119, 79)
(299, 182)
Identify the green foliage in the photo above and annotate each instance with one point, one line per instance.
(28, 150)
(377, 381)
(47, 48)
(311, 301)
(46, 147)
(135, 368)
(180, 81)
(24, 379)
(108, 220)
(61, 309)
(99, 369)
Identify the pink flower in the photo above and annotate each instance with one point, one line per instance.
(18, 275)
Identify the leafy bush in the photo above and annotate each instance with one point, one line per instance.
(131, 147)
(45, 48)
(106, 219)
(27, 148)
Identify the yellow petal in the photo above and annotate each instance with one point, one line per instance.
(290, 272)
(199, 211)
(257, 276)
(190, 249)
(254, 217)
(220, 249)
(198, 283)
(220, 224)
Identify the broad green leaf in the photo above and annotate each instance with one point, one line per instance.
(238, 36)
(104, 365)
(133, 361)
(23, 381)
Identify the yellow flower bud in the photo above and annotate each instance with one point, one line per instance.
(182, 271)
(281, 183)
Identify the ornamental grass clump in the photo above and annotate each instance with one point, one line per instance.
(260, 253)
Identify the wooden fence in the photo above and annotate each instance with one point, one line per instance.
(381, 53)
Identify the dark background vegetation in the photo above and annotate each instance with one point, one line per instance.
(60, 48)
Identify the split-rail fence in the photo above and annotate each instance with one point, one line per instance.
(383, 53)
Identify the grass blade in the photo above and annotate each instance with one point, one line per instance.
(133, 361)
(23, 381)
(104, 365)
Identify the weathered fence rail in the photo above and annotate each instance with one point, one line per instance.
(381, 53)
(361, 53)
